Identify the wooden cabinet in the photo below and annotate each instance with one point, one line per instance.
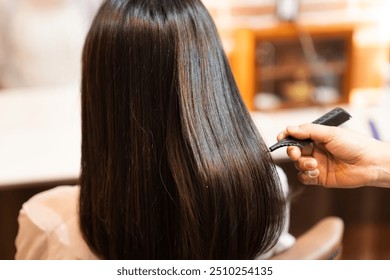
(291, 66)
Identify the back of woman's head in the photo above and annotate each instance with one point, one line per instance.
(172, 165)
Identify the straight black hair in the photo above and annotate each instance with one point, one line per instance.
(173, 166)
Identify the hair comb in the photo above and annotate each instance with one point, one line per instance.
(335, 117)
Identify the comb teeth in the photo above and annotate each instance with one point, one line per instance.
(335, 117)
(289, 141)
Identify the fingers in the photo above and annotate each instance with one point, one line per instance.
(316, 132)
(281, 135)
(299, 132)
(294, 153)
(309, 177)
(306, 164)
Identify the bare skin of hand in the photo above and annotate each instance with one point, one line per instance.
(339, 157)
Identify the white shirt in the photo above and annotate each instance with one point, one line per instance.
(49, 227)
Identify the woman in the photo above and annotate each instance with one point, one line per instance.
(172, 164)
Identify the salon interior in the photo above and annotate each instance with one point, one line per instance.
(293, 61)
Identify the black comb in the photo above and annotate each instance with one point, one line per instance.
(334, 117)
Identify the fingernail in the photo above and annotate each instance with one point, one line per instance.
(313, 173)
(309, 164)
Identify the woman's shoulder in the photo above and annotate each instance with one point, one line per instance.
(53, 207)
(49, 227)
(60, 193)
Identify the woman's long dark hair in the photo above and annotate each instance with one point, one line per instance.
(172, 164)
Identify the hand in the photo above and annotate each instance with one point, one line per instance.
(337, 157)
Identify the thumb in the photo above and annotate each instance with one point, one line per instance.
(316, 132)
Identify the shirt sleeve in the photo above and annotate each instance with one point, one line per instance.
(49, 227)
(43, 229)
(31, 241)
(38, 219)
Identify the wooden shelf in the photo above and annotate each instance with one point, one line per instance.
(286, 71)
(339, 59)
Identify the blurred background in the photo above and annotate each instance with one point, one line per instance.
(293, 60)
